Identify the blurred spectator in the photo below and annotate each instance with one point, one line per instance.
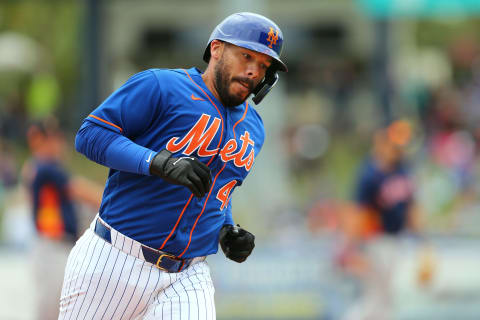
(384, 189)
(53, 194)
(385, 209)
(8, 170)
(451, 149)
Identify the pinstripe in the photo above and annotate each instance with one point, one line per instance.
(84, 272)
(70, 271)
(212, 301)
(196, 296)
(126, 283)
(138, 253)
(66, 292)
(133, 293)
(160, 300)
(172, 284)
(90, 281)
(203, 291)
(114, 290)
(150, 297)
(106, 286)
(99, 280)
(144, 288)
(157, 297)
(188, 297)
(166, 294)
(77, 264)
(83, 254)
(210, 292)
(71, 259)
(207, 287)
(163, 305)
(179, 299)
(168, 299)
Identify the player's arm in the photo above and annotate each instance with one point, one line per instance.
(116, 151)
(236, 243)
(105, 136)
(112, 149)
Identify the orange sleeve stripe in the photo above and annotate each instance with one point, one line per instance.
(203, 209)
(105, 121)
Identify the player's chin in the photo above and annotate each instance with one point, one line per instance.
(240, 90)
(242, 97)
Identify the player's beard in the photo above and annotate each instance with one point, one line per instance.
(223, 80)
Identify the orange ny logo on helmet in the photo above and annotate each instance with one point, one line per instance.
(272, 37)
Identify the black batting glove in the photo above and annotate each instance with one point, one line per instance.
(186, 171)
(236, 242)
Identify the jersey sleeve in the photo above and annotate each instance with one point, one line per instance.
(228, 214)
(131, 108)
(112, 149)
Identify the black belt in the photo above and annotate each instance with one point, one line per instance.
(162, 260)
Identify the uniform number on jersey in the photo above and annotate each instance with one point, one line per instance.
(223, 194)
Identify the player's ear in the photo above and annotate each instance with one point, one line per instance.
(216, 49)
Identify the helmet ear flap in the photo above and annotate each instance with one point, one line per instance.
(264, 87)
(206, 54)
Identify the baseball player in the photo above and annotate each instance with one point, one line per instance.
(53, 195)
(384, 194)
(178, 143)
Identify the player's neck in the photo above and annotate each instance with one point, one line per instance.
(208, 79)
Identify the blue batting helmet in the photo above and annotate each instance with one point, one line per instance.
(251, 31)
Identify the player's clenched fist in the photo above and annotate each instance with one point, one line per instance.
(185, 171)
(236, 242)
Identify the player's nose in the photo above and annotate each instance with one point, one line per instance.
(253, 71)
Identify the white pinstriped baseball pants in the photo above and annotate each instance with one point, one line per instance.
(103, 282)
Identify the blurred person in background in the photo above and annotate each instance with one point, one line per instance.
(8, 178)
(384, 210)
(53, 197)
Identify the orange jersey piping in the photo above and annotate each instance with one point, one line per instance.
(176, 224)
(208, 163)
(206, 200)
(203, 209)
(243, 117)
(219, 113)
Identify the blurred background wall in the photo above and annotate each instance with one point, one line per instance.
(355, 66)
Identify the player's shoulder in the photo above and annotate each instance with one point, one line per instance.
(173, 74)
(255, 115)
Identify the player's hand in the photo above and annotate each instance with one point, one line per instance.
(186, 171)
(236, 242)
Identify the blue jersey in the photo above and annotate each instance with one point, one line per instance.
(388, 194)
(173, 109)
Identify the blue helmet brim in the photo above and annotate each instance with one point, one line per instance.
(255, 46)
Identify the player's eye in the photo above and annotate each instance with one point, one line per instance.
(246, 56)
